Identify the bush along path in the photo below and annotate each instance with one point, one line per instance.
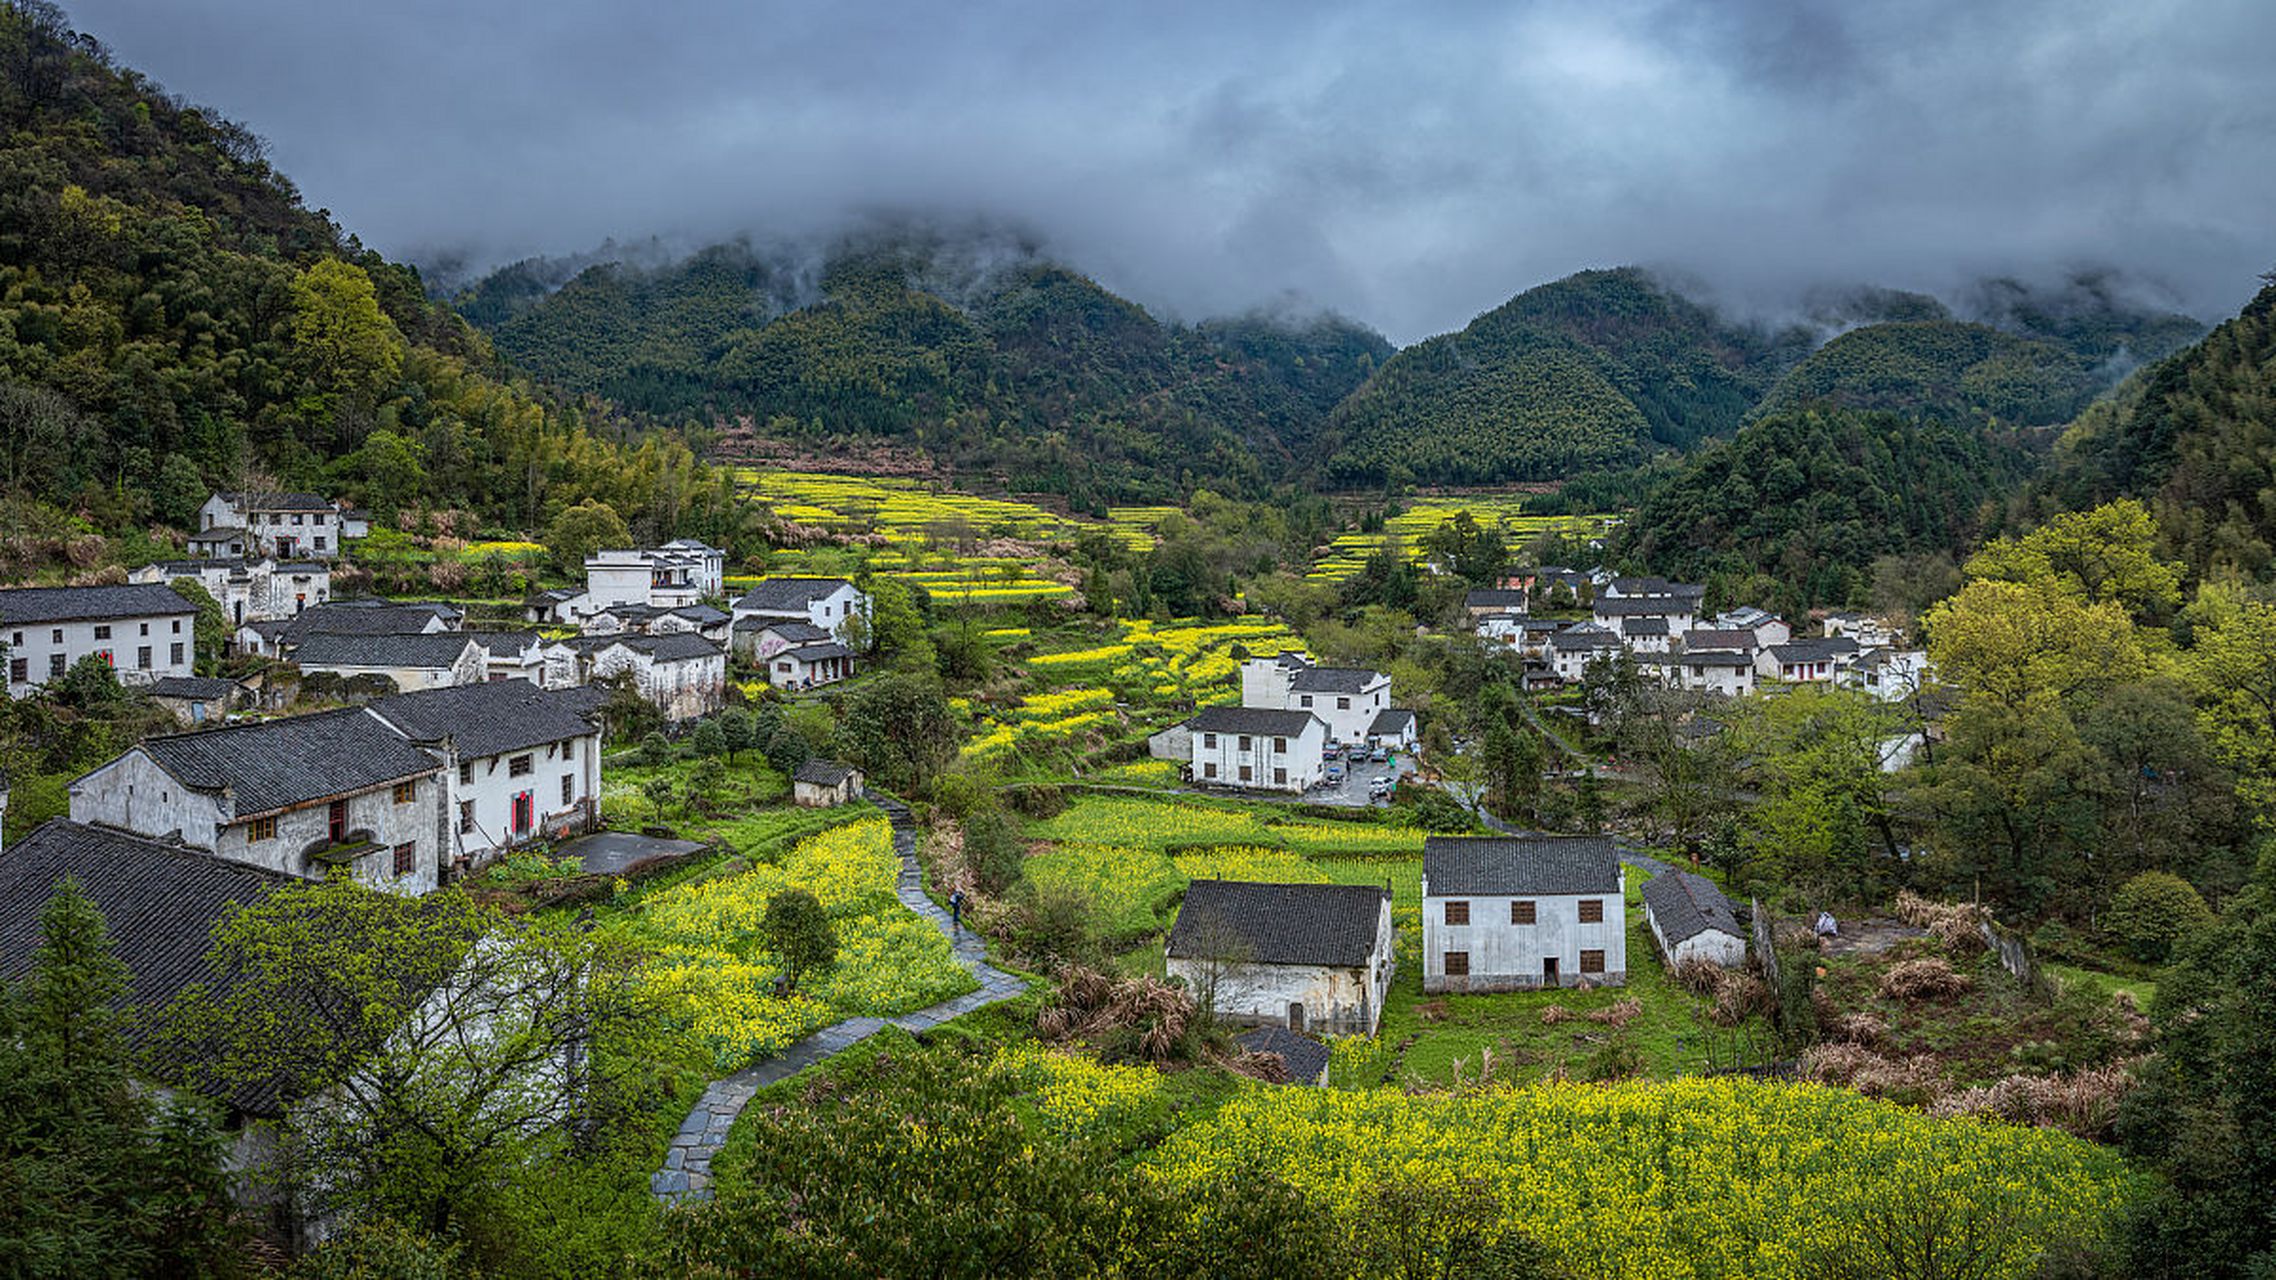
(687, 1163)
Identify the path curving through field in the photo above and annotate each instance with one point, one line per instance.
(687, 1162)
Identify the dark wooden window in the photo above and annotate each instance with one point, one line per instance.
(337, 825)
(1280, 745)
(1209, 741)
(1244, 742)
(1592, 911)
(1457, 964)
(175, 654)
(1592, 962)
(465, 772)
(1457, 913)
(1209, 771)
(262, 829)
(406, 858)
(1521, 911)
(519, 765)
(406, 792)
(568, 789)
(1246, 773)
(1280, 777)
(466, 815)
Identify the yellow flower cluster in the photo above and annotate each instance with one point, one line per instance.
(1081, 657)
(906, 511)
(1074, 1095)
(1009, 633)
(1065, 702)
(708, 949)
(1151, 824)
(1348, 839)
(1350, 551)
(1140, 773)
(1128, 889)
(1249, 862)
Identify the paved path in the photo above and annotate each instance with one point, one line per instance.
(687, 1163)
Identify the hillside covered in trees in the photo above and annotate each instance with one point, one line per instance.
(979, 350)
(2191, 436)
(173, 319)
(1797, 507)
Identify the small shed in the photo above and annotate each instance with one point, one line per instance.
(1305, 957)
(819, 784)
(196, 699)
(1692, 920)
(1307, 1058)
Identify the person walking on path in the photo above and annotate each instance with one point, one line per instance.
(956, 909)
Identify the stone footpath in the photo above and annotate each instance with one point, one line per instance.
(687, 1164)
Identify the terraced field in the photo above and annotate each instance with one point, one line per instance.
(1505, 511)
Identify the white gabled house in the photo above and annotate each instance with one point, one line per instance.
(144, 631)
(822, 784)
(1505, 913)
(1768, 628)
(1806, 661)
(677, 574)
(1395, 728)
(1868, 631)
(1257, 748)
(1691, 920)
(1675, 614)
(257, 590)
(684, 676)
(422, 660)
(758, 639)
(1346, 699)
(1729, 672)
(284, 525)
(1892, 675)
(1308, 957)
(1570, 651)
(519, 763)
(302, 795)
(809, 666)
(818, 602)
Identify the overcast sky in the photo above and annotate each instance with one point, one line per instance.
(1408, 164)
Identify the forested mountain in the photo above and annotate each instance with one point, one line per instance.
(173, 319)
(980, 350)
(1943, 369)
(2194, 436)
(1587, 372)
(1807, 500)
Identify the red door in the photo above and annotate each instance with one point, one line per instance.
(522, 813)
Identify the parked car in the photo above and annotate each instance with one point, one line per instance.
(1382, 755)
(1334, 775)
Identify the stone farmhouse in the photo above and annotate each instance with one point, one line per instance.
(1256, 748)
(1506, 913)
(433, 660)
(684, 675)
(1692, 920)
(299, 795)
(820, 602)
(519, 763)
(144, 631)
(1308, 957)
(821, 784)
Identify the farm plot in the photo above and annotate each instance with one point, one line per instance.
(1349, 552)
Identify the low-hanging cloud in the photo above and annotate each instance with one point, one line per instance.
(1405, 164)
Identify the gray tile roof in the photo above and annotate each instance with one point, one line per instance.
(160, 902)
(277, 501)
(819, 652)
(1392, 720)
(1721, 638)
(701, 614)
(487, 719)
(1643, 626)
(1579, 638)
(791, 632)
(358, 618)
(1650, 607)
(497, 643)
(1307, 1058)
(1495, 598)
(24, 606)
(821, 773)
(1458, 865)
(788, 594)
(1255, 720)
(1713, 658)
(1685, 905)
(1814, 650)
(279, 763)
(1316, 924)
(1648, 586)
(199, 688)
(676, 647)
(1332, 680)
(437, 650)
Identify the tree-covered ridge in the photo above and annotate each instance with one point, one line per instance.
(989, 356)
(1590, 371)
(173, 320)
(2194, 436)
(1946, 369)
(1810, 499)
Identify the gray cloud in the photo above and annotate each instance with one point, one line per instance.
(1408, 164)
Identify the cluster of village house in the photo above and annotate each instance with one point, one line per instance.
(1293, 718)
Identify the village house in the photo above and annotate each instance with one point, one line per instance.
(819, 602)
(821, 784)
(1257, 748)
(194, 700)
(433, 660)
(1569, 652)
(679, 573)
(1347, 699)
(1395, 728)
(256, 590)
(1768, 628)
(300, 795)
(1868, 631)
(1504, 913)
(1892, 675)
(1490, 600)
(755, 640)
(519, 763)
(555, 604)
(1806, 661)
(809, 666)
(1502, 628)
(1648, 588)
(1729, 672)
(1692, 920)
(1675, 614)
(285, 526)
(370, 618)
(1307, 957)
(144, 631)
(655, 620)
(684, 676)
(1720, 640)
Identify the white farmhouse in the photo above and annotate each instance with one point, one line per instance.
(679, 573)
(1570, 651)
(193, 700)
(1495, 600)
(821, 784)
(1892, 675)
(1767, 627)
(1868, 631)
(757, 639)
(1806, 661)
(519, 763)
(284, 525)
(1692, 920)
(1395, 728)
(1675, 614)
(1729, 672)
(685, 676)
(819, 602)
(1308, 957)
(1347, 698)
(301, 795)
(1258, 748)
(809, 666)
(256, 590)
(420, 661)
(1504, 913)
(144, 631)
